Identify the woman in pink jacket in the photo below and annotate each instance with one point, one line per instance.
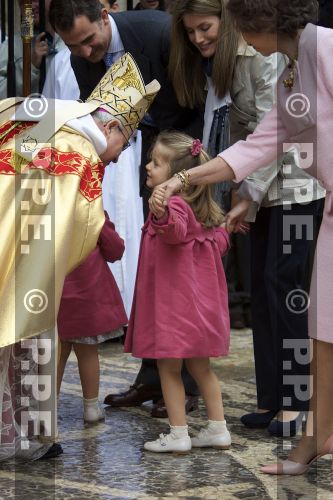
(180, 306)
(302, 116)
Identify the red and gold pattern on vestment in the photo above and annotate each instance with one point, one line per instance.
(54, 162)
(10, 129)
(51, 217)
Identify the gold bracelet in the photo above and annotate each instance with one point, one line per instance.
(182, 180)
(184, 177)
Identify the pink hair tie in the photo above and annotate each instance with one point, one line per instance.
(196, 147)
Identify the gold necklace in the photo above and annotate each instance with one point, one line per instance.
(289, 82)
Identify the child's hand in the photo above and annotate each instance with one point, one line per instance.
(235, 218)
(241, 227)
(158, 214)
(224, 226)
(156, 199)
(156, 203)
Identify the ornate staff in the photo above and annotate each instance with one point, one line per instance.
(11, 84)
(27, 33)
(42, 27)
(3, 20)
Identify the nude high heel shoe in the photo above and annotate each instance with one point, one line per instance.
(289, 467)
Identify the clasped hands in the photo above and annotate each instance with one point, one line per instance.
(157, 201)
(234, 219)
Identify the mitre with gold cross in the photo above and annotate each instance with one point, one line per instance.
(123, 93)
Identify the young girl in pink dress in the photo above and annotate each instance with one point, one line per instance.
(180, 306)
(91, 312)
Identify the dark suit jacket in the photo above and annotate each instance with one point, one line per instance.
(146, 35)
(326, 13)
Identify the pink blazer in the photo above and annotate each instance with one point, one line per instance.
(303, 116)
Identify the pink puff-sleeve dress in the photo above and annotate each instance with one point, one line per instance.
(180, 306)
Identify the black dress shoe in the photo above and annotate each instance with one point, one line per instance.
(258, 420)
(285, 429)
(237, 321)
(159, 409)
(54, 451)
(135, 396)
(248, 318)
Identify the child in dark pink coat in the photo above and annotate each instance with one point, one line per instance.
(180, 305)
(91, 311)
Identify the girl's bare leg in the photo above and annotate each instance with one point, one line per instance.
(209, 386)
(65, 350)
(88, 361)
(173, 390)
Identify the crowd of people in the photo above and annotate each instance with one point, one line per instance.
(228, 176)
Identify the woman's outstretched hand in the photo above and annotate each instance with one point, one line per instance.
(168, 188)
(161, 194)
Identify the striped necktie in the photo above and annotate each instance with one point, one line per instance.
(108, 59)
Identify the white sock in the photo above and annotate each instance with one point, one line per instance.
(217, 426)
(90, 402)
(178, 431)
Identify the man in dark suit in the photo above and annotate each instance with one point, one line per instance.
(95, 40)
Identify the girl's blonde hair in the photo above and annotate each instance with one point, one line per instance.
(185, 64)
(200, 198)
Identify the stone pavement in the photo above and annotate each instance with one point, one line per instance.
(107, 461)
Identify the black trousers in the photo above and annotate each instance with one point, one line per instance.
(238, 273)
(148, 373)
(280, 261)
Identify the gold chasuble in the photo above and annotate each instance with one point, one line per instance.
(51, 209)
(51, 216)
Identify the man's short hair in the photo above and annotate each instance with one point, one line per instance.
(62, 13)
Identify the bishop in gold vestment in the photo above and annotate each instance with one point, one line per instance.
(51, 214)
